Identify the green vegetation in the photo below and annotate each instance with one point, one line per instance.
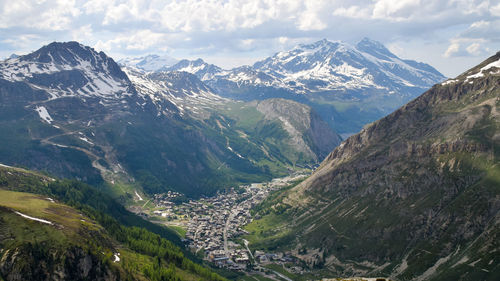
(181, 231)
(150, 254)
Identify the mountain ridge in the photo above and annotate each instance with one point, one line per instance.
(414, 195)
(349, 85)
(72, 111)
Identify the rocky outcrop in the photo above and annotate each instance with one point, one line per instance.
(39, 262)
(413, 193)
(308, 133)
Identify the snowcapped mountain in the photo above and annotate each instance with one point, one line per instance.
(204, 71)
(181, 89)
(321, 67)
(333, 66)
(349, 85)
(69, 69)
(75, 113)
(149, 62)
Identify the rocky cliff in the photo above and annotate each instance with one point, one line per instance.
(308, 133)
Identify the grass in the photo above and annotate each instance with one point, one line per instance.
(181, 231)
(280, 269)
(69, 225)
(246, 116)
(41, 207)
(269, 232)
(254, 278)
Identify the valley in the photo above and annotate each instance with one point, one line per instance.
(181, 170)
(213, 227)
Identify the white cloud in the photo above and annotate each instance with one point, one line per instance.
(82, 33)
(452, 49)
(495, 10)
(220, 27)
(398, 10)
(474, 49)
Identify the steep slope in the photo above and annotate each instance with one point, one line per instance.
(414, 195)
(309, 134)
(149, 62)
(201, 69)
(43, 238)
(174, 91)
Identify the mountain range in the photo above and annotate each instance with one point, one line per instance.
(348, 85)
(414, 195)
(73, 112)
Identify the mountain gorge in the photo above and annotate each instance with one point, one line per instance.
(414, 196)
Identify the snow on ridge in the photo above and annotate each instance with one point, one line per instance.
(102, 85)
(33, 218)
(159, 90)
(319, 61)
(480, 73)
(44, 114)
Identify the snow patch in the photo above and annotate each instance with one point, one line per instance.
(450, 81)
(117, 258)
(86, 140)
(33, 218)
(44, 114)
(138, 196)
(480, 73)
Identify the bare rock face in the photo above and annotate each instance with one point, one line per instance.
(416, 194)
(308, 132)
(29, 262)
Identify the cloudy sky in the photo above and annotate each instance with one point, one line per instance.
(451, 35)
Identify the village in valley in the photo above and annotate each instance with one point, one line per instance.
(214, 225)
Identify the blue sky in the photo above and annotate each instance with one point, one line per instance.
(451, 35)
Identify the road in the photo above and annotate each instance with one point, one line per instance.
(226, 227)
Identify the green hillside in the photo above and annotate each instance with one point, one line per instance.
(71, 231)
(413, 196)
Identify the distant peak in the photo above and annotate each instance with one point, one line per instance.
(199, 61)
(64, 52)
(369, 42)
(374, 48)
(318, 44)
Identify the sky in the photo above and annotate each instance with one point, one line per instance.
(451, 35)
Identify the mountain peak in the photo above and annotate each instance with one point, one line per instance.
(374, 48)
(323, 44)
(59, 66)
(200, 68)
(152, 62)
(62, 53)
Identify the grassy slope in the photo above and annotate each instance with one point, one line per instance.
(361, 226)
(74, 228)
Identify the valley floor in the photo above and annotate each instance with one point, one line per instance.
(212, 227)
